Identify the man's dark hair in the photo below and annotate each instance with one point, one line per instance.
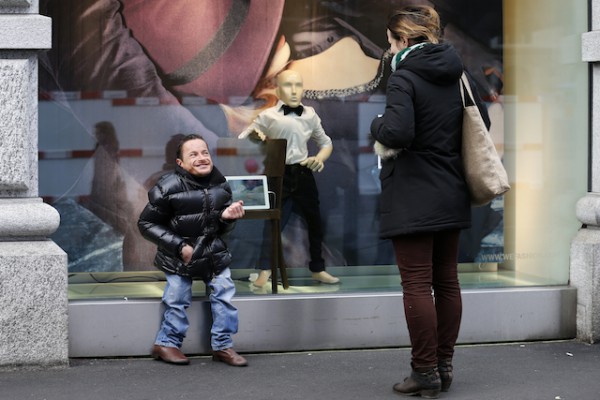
(187, 138)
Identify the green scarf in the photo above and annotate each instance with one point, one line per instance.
(401, 55)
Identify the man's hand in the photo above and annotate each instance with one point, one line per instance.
(186, 253)
(234, 211)
(313, 163)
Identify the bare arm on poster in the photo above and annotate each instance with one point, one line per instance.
(106, 56)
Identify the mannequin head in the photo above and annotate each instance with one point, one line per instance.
(290, 87)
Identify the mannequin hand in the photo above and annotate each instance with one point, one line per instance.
(314, 164)
(234, 211)
(258, 135)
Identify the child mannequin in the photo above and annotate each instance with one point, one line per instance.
(296, 123)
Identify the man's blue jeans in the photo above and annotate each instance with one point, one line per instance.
(177, 298)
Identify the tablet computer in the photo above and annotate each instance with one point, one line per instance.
(252, 189)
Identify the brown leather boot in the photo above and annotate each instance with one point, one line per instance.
(446, 374)
(170, 355)
(423, 382)
(229, 356)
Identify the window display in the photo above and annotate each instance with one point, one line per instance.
(125, 79)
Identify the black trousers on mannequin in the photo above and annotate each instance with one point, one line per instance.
(301, 196)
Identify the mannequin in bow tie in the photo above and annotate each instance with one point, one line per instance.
(298, 124)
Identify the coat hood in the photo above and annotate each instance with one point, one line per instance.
(436, 63)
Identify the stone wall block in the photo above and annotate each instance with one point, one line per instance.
(589, 46)
(27, 218)
(19, 6)
(17, 152)
(585, 276)
(25, 31)
(587, 209)
(34, 324)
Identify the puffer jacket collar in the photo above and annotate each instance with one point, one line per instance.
(215, 177)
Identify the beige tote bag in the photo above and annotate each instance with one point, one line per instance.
(484, 172)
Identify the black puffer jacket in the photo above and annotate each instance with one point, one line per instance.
(183, 209)
(423, 188)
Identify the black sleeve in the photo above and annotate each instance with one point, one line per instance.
(153, 222)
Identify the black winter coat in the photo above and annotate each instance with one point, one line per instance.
(184, 209)
(423, 189)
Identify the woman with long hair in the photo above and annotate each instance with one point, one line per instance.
(424, 200)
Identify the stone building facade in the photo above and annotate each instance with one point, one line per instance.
(33, 269)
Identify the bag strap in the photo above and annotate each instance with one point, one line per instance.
(464, 84)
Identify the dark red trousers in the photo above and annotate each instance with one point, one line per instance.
(431, 291)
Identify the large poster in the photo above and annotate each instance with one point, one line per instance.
(125, 79)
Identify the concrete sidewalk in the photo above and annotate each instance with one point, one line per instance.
(565, 370)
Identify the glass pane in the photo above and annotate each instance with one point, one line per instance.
(546, 131)
(121, 85)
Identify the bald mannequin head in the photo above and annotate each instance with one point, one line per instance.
(290, 87)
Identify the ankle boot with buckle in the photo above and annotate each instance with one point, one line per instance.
(446, 374)
(424, 382)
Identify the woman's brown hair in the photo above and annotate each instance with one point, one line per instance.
(417, 24)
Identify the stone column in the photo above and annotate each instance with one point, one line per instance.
(33, 269)
(585, 248)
